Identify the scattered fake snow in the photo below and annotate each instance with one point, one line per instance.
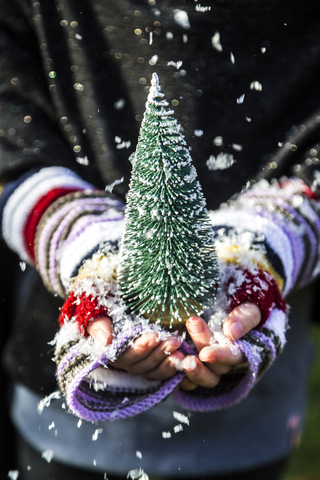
(137, 474)
(82, 160)
(181, 18)
(166, 434)
(45, 402)
(201, 8)
(96, 434)
(51, 426)
(22, 266)
(215, 42)
(181, 418)
(256, 86)
(47, 455)
(13, 474)
(221, 162)
(178, 428)
(110, 187)
(138, 454)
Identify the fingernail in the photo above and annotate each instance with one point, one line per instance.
(195, 326)
(172, 344)
(208, 355)
(235, 330)
(101, 336)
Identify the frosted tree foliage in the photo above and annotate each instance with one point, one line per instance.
(168, 268)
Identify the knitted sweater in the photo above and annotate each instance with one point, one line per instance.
(70, 230)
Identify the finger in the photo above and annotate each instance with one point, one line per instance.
(221, 356)
(156, 357)
(101, 330)
(199, 332)
(186, 384)
(241, 320)
(139, 350)
(198, 373)
(167, 368)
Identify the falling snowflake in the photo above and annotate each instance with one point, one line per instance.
(181, 418)
(13, 474)
(175, 64)
(215, 42)
(137, 474)
(47, 455)
(241, 99)
(96, 434)
(221, 162)
(82, 160)
(181, 18)
(256, 86)
(178, 428)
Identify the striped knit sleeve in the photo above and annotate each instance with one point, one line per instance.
(55, 221)
(267, 246)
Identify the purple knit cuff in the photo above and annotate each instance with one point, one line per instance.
(261, 348)
(85, 402)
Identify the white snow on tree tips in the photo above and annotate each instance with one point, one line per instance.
(168, 268)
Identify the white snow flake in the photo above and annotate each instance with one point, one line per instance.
(215, 42)
(181, 18)
(166, 434)
(47, 455)
(137, 474)
(175, 64)
(110, 187)
(178, 428)
(13, 474)
(96, 434)
(221, 162)
(181, 418)
(45, 402)
(153, 60)
(119, 104)
(82, 160)
(256, 86)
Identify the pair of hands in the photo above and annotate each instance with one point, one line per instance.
(160, 360)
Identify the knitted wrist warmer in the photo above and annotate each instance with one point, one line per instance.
(96, 394)
(266, 244)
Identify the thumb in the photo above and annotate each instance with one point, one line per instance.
(241, 320)
(101, 330)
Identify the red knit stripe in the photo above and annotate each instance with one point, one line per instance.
(305, 190)
(250, 290)
(34, 216)
(84, 308)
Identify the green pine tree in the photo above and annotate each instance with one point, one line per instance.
(168, 268)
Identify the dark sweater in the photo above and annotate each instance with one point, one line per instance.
(74, 76)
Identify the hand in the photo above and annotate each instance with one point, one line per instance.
(215, 361)
(149, 357)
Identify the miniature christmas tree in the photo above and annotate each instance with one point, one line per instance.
(168, 269)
